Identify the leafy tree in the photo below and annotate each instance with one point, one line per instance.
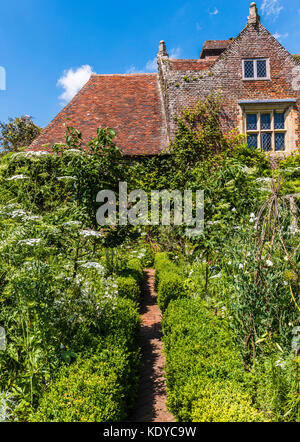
(18, 133)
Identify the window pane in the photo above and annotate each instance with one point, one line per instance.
(279, 141)
(251, 122)
(279, 120)
(266, 141)
(261, 68)
(252, 140)
(265, 121)
(249, 69)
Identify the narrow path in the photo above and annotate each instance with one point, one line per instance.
(151, 401)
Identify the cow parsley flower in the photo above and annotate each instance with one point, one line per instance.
(18, 177)
(90, 233)
(269, 263)
(30, 241)
(93, 265)
(280, 363)
(66, 178)
(72, 223)
(18, 213)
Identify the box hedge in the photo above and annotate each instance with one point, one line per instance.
(203, 366)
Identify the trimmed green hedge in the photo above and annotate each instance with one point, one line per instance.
(134, 269)
(101, 384)
(169, 281)
(205, 376)
(129, 288)
(100, 388)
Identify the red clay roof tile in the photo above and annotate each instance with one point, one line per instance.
(193, 65)
(131, 104)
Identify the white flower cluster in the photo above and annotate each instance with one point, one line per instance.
(17, 177)
(31, 153)
(66, 178)
(280, 363)
(94, 265)
(263, 180)
(91, 233)
(29, 242)
(18, 213)
(71, 151)
(252, 218)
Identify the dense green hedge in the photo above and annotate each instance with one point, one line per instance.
(169, 281)
(100, 384)
(99, 388)
(205, 375)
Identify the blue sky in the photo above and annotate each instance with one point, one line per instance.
(49, 47)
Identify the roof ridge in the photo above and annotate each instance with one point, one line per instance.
(125, 75)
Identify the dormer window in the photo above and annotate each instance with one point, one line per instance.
(256, 69)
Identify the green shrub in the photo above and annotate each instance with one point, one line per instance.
(224, 402)
(121, 321)
(100, 388)
(129, 288)
(200, 352)
(170, 287)
(147, 259)
(134, 269)
(163, 265)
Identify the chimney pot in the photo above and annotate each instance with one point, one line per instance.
(254, 17)
(162, 49)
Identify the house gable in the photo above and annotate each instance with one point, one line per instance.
(224, 75)
(141, 107)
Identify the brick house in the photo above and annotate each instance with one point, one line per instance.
(258, 79)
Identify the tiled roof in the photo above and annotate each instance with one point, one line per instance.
(216, 47)
(193, 65)
(131, 104)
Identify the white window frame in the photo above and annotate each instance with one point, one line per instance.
(255, 60)
(272, 129)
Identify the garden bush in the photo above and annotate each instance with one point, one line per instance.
(134, 268)
(129, 288)
(98, 388)
(224, 401)
(169, 281)
(200, 353)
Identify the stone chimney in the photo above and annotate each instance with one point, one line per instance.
(162, 49)
(253, 18)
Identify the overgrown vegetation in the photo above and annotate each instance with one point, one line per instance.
(70, 291)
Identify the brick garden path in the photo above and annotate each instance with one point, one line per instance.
(150, 405)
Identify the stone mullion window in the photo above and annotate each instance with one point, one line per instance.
(262, 131)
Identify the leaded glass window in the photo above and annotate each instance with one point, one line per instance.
(251, 121)
(252, 141)
(256, 69)
(279, 141)
(266, 141)
(265, 121)
(261, 68)
(249, 69)
(266, 130)
(278, 120)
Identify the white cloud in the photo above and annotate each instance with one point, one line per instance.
(133, 70)
(214, 12)
(73, 80)
(280, 36)
(271, 7)
(151, 65)
(198, 27)
(175, 53)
